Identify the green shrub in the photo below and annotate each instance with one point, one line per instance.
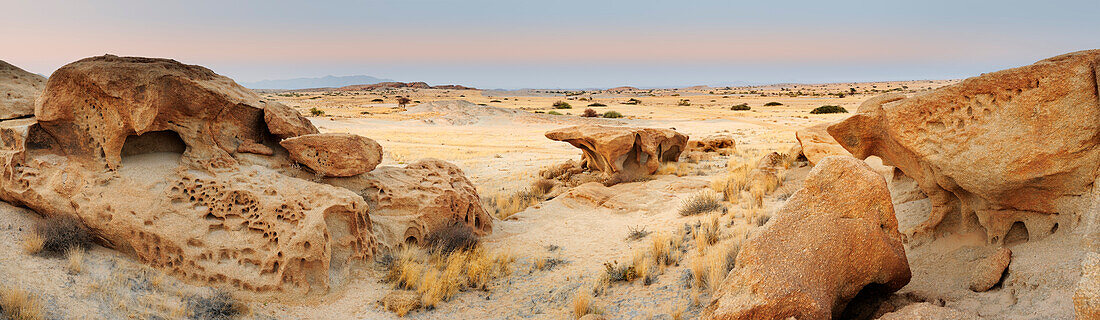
(633, 101)
(828, 109)
(554, 113)
(316, 112)
(494, 101)
(684, 102)
(741, 107)
(562, 105)
(597, 104)
(377, 100)
(612, 114)
(772, 104)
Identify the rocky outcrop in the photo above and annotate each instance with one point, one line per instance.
(1012, 153)
(990, 270)
(408, 204)
(147, 153)
(835, 237)
(816, 143)
(622, 149)
(18, 89)
(927, 311)
(334, 154)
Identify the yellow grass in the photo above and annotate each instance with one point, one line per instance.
(33, 243)
(582, 304)
(75, 258)
(437, 277)
(503, 206)
(678, 169)
(20, 305)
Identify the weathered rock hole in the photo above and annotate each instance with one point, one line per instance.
(1016, 234)
(152, 142)
(865, 303)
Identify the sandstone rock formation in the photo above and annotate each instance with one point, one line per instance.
(990, 270)
(1014, 152)
(18, 89)
(146, 153)
(91, 106)
(622, 149)
(407, 204)
(334, 154)
(723, 144)
(1086, 298)
(926, 311)
(817, 144)
(835, 237)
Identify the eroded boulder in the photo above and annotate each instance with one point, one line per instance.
(622, 149)
(91, 106)
(408, 204)
(1012, 149)
(334, 154)
(722, 144)
(18, 89)
(1086, 298)
(835, 237)
(816, 143)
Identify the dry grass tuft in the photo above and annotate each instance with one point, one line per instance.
(542, 186)
(732, 183)
(703, 202)
(438, 275)
(75, 258)
(17, 304)
(678, 169)
(711, 266)
(582, 304)
(504, 206)
(33, 243)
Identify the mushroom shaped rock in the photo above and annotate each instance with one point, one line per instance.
(90, 107)
(334, 154)
(834, 237)
(18, 89)
(623, 149)
(1010, 147)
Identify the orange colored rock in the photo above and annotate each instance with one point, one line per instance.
(817, 143)
(723, 144)
(18, 89)
(1010, 147)
(1086, 297)
(91, 106)
(410, 203)
(619, 149)
(990, 270)
(334, 154)
(834, 237)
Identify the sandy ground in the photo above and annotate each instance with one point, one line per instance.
(501, 154)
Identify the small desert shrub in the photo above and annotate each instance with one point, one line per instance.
(562, 105)
(761, 220)
(60, 233)
(700, 203)
(548, 263)
(542, 186)
(494, 101)
(597, 104)
(741, 107)
(772, 104)
(612, 114)
(17, 304)
(633, 101)
(377, 100)
(316, 112)
(216, 306)
(554, 113)
(683, 102)
(828, 109)
(637, 233)
(589, 113)
(616, 272)
(33, 243)
(458, 236)
(503, 206)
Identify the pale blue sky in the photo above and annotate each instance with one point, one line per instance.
(512, 44)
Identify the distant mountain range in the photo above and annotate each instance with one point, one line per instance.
(306, 83)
